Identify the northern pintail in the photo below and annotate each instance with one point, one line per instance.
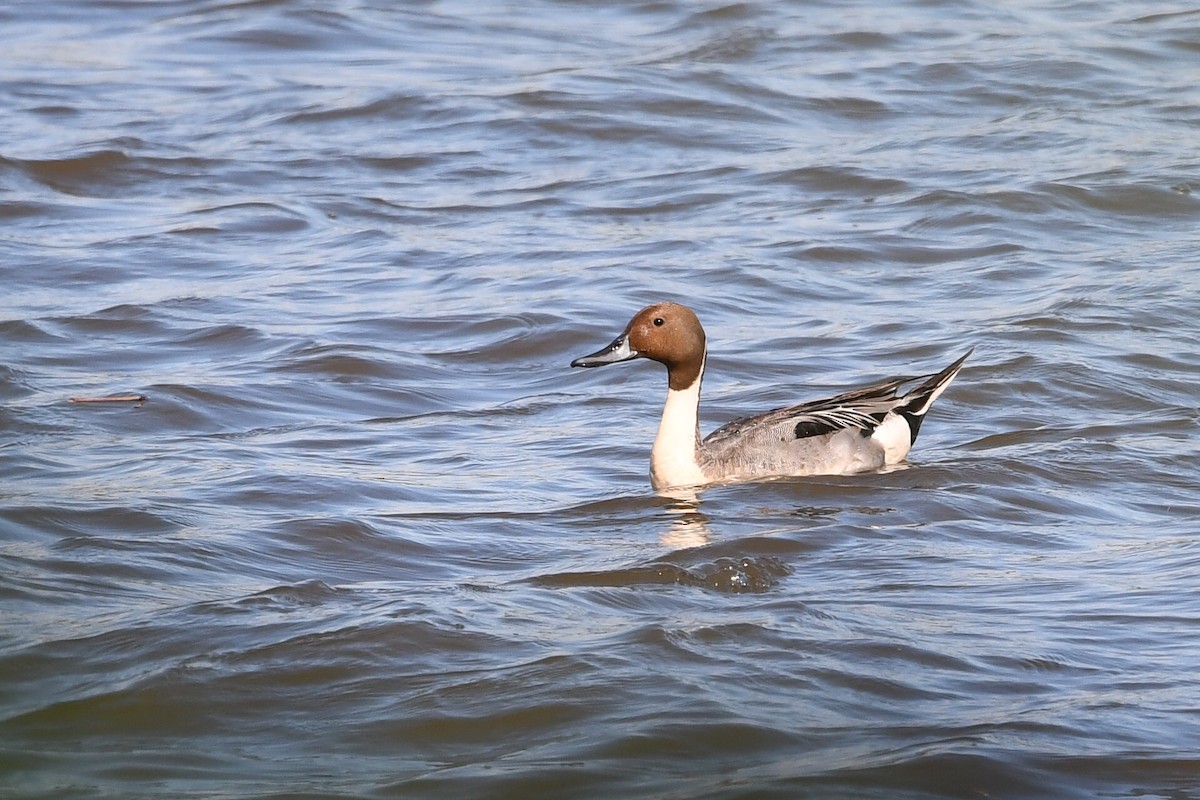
(860, 430)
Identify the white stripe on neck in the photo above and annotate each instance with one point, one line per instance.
(673, 457)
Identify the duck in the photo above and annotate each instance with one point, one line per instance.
(861, 430)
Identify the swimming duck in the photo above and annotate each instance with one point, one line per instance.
(857, 431)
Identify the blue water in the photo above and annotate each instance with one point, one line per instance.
(370, 536)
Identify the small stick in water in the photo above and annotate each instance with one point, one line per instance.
(113, 398)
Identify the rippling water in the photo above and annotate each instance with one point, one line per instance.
(369, 536)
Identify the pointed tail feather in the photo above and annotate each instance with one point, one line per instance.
(918, 401)
(921, 398)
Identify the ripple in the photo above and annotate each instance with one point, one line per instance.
(732, 575)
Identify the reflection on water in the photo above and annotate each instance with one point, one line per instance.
(689, 526)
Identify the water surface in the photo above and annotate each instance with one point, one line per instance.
(369, 536)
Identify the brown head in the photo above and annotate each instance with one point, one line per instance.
(664, 332)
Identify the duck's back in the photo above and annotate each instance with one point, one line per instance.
(824, 437)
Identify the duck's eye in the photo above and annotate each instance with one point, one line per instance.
(658, 322)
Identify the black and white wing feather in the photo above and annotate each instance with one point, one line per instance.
(861, 410)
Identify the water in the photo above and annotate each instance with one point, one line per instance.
(369, 536)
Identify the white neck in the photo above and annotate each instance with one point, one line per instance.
(673, 458)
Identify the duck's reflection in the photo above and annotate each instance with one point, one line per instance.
(689, 528)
